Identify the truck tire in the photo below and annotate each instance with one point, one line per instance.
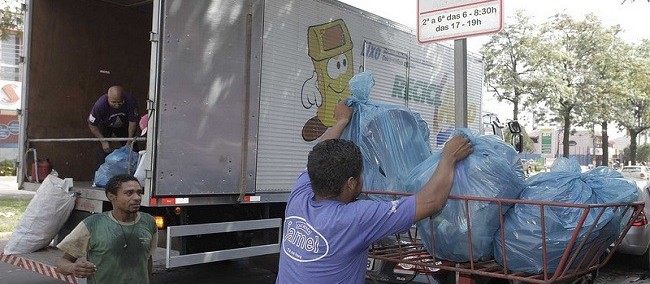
(385, 274)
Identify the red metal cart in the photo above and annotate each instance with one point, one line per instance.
(410, 256)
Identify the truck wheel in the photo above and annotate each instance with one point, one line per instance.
(385, 274)
(645, 260)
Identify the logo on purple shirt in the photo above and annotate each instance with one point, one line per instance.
(302, 242)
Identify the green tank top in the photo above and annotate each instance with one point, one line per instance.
(121, 254)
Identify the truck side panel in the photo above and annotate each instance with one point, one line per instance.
(208, 59)
(311, 50)
(77, 50)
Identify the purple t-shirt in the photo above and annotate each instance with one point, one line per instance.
(327, 241)
(103, 114)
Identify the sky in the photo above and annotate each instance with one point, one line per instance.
(633, 17)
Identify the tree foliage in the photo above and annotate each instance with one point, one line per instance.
(507, 56)
(561, 70)
(572, 72)
(604, 69)
(12, 18)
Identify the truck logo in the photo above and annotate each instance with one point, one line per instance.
(330, 48)
(302, 242)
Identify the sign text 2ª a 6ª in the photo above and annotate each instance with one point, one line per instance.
(461, 21)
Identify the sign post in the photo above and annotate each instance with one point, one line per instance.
(440, 20)
(460, 82)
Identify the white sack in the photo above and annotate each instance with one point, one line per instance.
(140, 170)
(44, 217)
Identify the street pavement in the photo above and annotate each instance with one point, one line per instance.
(9, 189)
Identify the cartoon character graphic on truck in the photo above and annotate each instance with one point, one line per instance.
(330, 48)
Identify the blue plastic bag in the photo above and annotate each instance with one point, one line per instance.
(392, 139)
(492, 170)
(120, 161)
(565, 183)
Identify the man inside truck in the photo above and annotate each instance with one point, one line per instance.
(114, 113)
(327, 231)
(117, 245)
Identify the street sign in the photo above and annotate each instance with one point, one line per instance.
(452, 19)
(546, 147)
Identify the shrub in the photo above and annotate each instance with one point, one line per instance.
(8, 168)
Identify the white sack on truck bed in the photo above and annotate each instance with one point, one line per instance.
(44, 216)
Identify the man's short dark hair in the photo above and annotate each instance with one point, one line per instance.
(331, 163)
(115, 182)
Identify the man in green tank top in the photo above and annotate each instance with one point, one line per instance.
(117, 245)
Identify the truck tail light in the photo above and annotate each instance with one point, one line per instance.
(160, 222)
(640, 220)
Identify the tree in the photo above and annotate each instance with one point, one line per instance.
(506, 58)
(560, 66)
(12, 18)
(642, 153)
(604, 67)
(634, 109)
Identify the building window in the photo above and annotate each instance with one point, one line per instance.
(10, 58)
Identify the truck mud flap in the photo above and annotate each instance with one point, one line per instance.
(226, 254)
(38, 267)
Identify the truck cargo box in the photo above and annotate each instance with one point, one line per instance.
(238, 91)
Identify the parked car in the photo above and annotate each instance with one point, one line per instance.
(635, 172)
(637, 240)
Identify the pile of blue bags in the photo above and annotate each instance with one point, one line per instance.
(564, 183)
(394, 143)
(120, 161)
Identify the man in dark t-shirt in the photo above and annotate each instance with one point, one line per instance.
(114, 114)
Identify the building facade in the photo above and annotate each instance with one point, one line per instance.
(10, 95)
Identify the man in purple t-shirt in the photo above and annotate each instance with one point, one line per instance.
(114, 113)
(327, 231)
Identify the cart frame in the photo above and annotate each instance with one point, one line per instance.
(409, 249)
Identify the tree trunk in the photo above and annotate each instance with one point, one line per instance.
(605, 144)
(566, 132)
(515, 107)
(633, 135)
